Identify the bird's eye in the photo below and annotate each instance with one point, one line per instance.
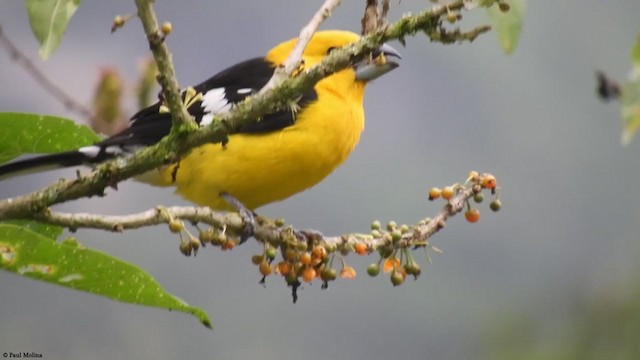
(329, 50)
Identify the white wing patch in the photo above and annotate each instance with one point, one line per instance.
(206, 119)
(90, 151)
(214, 101)
(244, 91)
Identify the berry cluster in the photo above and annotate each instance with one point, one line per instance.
(478, 182)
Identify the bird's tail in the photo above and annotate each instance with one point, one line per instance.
(44, 162)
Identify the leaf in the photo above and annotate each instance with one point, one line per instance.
(30, 254)
(50, 231)
(508, 24)
(630, 107)
(31, 133)
(635, 53)
(49, 19)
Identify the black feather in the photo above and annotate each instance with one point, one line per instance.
(149, 125)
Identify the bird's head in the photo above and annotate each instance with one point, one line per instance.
(323, 42)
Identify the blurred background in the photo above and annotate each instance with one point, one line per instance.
(554, 274)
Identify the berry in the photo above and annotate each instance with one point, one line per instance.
(319, 252)
(375, 225)
(397, 277)
(361, 248)
(412, 268)
(348, 272)
(185, 248)
(167, 28)
(283, 268)
(495, 205)
(175, 225)
(504, 7)
(257, 259)
(270, 253)
(478, 198)
(392, 225)
(265, 268)
(472, 215)
(451, 17)
(305, 258)
(434, 193)
(308, 274)
(228, 245)
(447, 192)
(328, 274)
(396, 235)
(488, 181)
(373, 269)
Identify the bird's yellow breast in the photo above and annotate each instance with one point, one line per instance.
(261, 168)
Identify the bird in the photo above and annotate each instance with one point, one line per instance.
(282, 154)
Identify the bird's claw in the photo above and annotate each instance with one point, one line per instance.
(247, 215)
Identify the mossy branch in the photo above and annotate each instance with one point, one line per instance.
(179, 143)
(275, 232)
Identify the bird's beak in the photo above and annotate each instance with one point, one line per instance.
(378, 65)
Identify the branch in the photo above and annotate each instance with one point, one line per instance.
(294, 60)
(172, 147)
(274, 232)
(48, 85)
(167, 78)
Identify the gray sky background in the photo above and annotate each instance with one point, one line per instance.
(569, 222)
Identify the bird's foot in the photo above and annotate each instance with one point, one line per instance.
(247, 215)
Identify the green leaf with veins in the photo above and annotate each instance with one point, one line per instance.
(33, 255)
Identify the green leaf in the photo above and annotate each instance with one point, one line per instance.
(508, 25)
(635, 53)
(32, 133)
(46, 230)
(630, 107)
(49, 19)
(30, 254)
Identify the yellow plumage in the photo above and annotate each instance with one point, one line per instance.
(262, 168)
(272, 161)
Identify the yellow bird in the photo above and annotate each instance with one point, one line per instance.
(284, 153)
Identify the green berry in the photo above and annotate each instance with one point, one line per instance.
(495, 205)
(376, 225)
(373, 269)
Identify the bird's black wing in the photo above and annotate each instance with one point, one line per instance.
(222, 90)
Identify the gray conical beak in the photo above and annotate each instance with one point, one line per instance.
(367, 70)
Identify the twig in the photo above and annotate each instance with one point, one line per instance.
(370, 18)
(294, 60)
(266, 230)
(48, 85)
(167, 76)
(173, 146)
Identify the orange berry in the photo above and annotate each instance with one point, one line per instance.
(390, 264)
(308, 274)
(447, 192)
(265, 268)
(434, 193)
(348, 272)
(319, 252)
(305, 258)
(283, 268)
(361, 248)
(228, 245)
(472, 215)
(488, 181)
